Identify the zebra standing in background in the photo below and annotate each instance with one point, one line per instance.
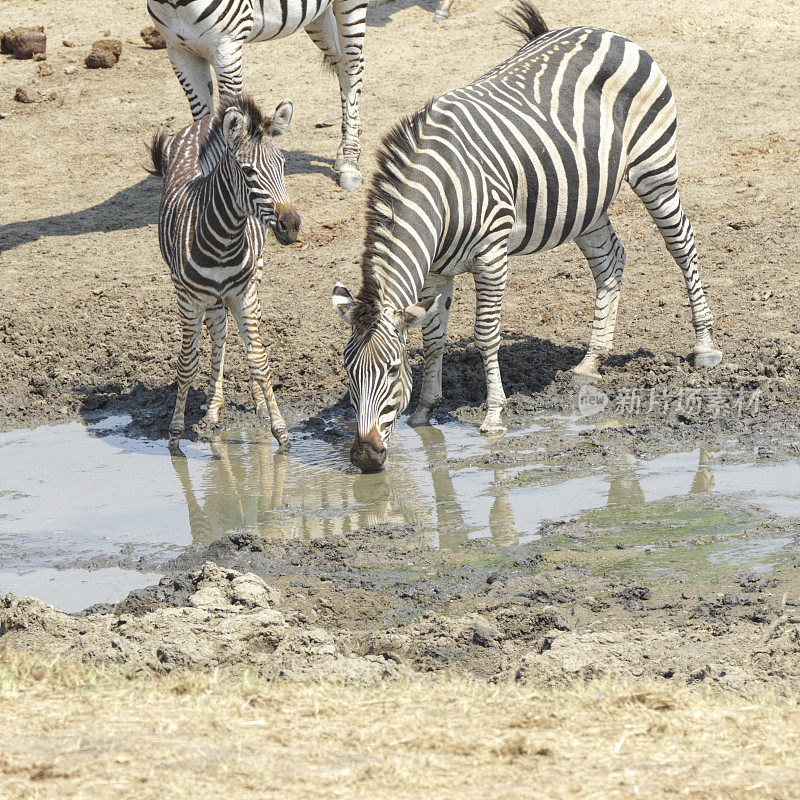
(223, 187)
(524, 159)
(200, 33)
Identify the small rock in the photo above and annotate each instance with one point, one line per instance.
(45, 69)
(153, 38)
(24, 42)
(485, 636)
(68, 43)
(209, 597)
(105, 53)
(70, 70)
(27, 94)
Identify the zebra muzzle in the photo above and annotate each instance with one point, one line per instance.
(369, 453)
(287, 224)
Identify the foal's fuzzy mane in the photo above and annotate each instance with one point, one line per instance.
(256, 123)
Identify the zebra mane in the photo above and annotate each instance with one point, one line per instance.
(394, 154)
(255, 126)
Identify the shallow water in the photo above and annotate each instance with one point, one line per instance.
(75, 493)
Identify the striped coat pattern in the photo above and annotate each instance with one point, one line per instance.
(223, 189)
(526, 158)
(201, 34)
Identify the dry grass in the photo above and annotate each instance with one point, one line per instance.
(68, 732)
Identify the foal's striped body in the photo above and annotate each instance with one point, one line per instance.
(525, 158)
(223, 187)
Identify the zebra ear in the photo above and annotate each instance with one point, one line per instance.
(417, 315)
(278, 123)
(233, 127)
(343, 303)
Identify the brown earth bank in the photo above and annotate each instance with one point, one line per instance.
(87, 315)
(374, 605)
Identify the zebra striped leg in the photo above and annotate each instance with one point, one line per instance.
(658, 190)
(247, 312)
(434, 336)
(606, 257)
(490, 285)
(194, 74)
(191, 323)
(228, 68)
(351, 25)
(217, 324)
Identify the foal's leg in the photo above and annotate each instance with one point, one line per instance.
(434, 336)
(194, 74)
(217, 324)
(246, 309)
(656, 185)
(491, 271)
(191, 323)
(606, 257)
(351, 25)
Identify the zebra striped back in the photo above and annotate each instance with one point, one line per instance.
(527, 157)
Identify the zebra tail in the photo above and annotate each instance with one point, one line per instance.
(156, 148)
(526, 21)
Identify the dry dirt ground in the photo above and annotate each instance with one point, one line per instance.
(87, 316)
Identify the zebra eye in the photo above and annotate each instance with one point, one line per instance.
(248, 171)
(394, 370)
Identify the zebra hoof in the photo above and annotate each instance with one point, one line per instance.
(419, 419)
(338, 164)
(282, 436)
(707, 357)
(585, 376)
(175, 447)
(349, 177)
(492, 427)
(440, 16)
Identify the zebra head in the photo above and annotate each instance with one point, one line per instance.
(258, 172)
(378, 370)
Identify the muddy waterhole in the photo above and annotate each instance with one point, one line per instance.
(85, 508)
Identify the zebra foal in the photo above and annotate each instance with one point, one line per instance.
(525, 158)
(223, 187)
(210, 33)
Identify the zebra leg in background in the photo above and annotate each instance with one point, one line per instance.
(657, 188)
(191, 323)
(443, 12)
(606, 257)
(194, 74)
(217, 324)
(490, 284)
(228, 68)
(246, 310)
(434, 336)
(351, 26)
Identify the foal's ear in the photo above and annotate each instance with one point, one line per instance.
(343, 302)
(278, 123)
(417, 315)
(233, 127)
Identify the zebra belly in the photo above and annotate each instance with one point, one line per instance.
(274, 20)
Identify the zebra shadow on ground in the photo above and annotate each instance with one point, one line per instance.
(380, 13)
(131, 208)
(528, 366)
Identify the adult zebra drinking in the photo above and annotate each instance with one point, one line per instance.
(527, 157)
(203, 33)
(223, 188)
